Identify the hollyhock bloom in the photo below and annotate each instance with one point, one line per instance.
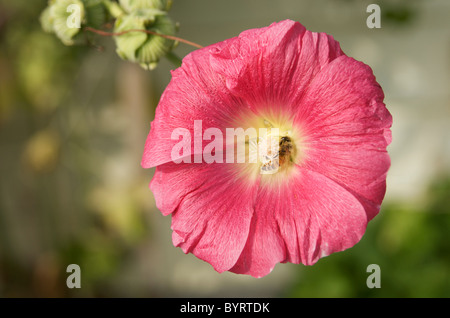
(333, 133)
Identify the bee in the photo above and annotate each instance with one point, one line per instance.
(273, 161)
(286, 150)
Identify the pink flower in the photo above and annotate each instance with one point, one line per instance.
(333, 134)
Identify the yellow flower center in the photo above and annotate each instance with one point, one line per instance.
(273, 156)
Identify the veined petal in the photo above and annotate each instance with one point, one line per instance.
(195, 92)
(299, 222)
(271, 67)
(346, 125)
(212, 210)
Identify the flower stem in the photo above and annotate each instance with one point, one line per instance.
(170, 37)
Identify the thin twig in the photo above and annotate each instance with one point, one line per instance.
(170, 37)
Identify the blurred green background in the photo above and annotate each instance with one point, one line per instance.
(73, 122)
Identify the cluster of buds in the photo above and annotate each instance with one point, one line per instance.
(140, 47)
(140, 31)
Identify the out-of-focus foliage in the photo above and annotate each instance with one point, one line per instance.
(56, 208)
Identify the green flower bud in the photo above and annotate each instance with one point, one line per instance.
(96, 13)
(66, 18)
(140, 47)
(131, 5)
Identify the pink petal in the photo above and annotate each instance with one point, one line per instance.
(265, 246)
(272, 66)
(195, 92)
(211, 210)
(346, 125)
(172, 182)
(309, 218)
